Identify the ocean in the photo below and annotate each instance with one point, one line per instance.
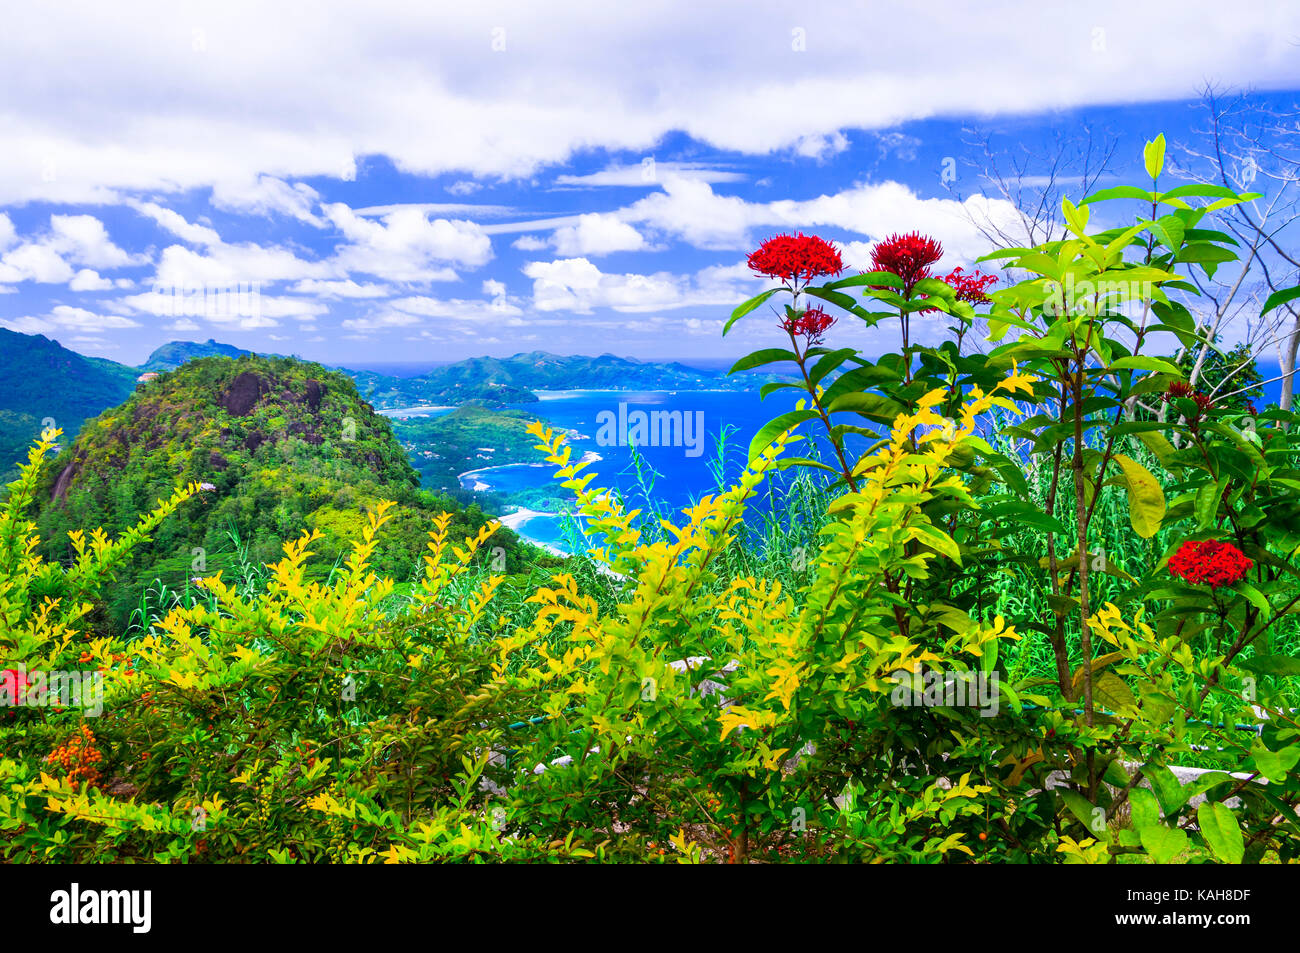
(690, 443)
(703, 446)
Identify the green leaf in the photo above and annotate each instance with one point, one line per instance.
(1024, 514)
(1205, 253)
(1118, 192)
(1170, 230)
(768, 355)
(1170, 792)
(1158, 444)
(1161, 843)
(1141, 363)
(1076, 217)
(1221, 831)
(1278, 298)
(1279, 666)
(859, 378)
(1275, 765)
(1200, 190)
(775, 427)
(1084, 810)
(1146, 498)
(870, 278)
(869, 405)
(771, 387)
(1153, 155)
(1254, 596)
(1110, 692)
(828, 362)
(786, 462)
(747, 307)
(1206, 508)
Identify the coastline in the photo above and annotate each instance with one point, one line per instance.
(478, 486)
(516, 520)
(416, 410)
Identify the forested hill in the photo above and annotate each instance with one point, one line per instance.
(286, 445)
(42, 380)
(43, 383)
(173, 354)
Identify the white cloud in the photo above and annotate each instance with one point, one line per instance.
(88, 280)
(464, 187)
(176, 223)
(578, 286)
(408, 246)
(421, 85)
(267, 195)
(647, 175)
(529, 243)
(596, 234)
(692, 212)
(66, 317)
(821, 147)
(341, 289)
(48, 259)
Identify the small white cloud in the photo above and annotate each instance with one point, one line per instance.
(529, 243)
(267, 195)
(646, 174)
(464, 187)
(88, 280)
(341, 289)
(596, 234)
(821, 147)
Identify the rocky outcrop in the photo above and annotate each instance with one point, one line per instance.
(315, 391)
(243, 393)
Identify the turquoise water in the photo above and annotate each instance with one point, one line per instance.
(682, 473)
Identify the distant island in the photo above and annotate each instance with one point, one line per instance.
(492, 381)
(43, 383)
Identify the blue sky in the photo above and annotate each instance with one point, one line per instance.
(401, 185)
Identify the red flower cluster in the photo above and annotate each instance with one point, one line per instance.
(810, 324)
(796, 258)
(908, 256)
(972, 287)
(1204, 402)
(1210, 562)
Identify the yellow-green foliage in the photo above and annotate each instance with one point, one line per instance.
(310, 721)
(700, 717)
(708, 712)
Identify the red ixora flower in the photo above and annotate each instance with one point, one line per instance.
(972, 287)
(1210, 562)
(810, 324)
(908, 256)
(796, 258)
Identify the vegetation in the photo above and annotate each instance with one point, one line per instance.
(282, 447)
(1028, 585)
(469, 438)
(43, 385)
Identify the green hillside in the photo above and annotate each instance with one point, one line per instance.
(286, 446)
(173, 354)
(42, 383)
